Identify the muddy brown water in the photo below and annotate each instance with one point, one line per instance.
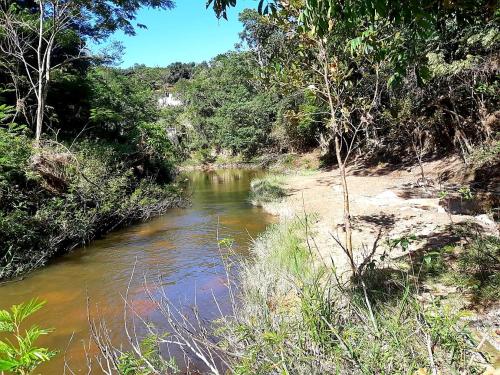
(178, 251)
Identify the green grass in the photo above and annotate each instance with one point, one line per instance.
(267, 189)
(295, 318)
(474, 268)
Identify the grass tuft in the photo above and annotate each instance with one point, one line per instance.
(267, 189)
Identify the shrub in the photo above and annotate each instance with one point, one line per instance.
(15, 148)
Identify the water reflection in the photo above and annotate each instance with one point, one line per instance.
(177, 251)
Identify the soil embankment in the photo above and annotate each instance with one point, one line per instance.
(385, 203)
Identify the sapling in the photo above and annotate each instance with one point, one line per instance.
(21, 356)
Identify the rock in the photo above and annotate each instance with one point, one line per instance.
(487, 222)
(484, 219)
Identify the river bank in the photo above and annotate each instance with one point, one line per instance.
(54, 200)
(196, 163)
(419, 261)
(385, 202)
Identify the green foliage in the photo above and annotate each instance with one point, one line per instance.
(486, 153)
(472, 267)
(466, 193)
(157, 145)
(381, 57)
(23, 356)
(66, 27)
(15, 147)
(226, 242)
(90, 193)
(300, 120)
(131, 364)
(297, 318)
(290, 252)
(119, 101)
(478, 268)
(403, 242)
(226, 110)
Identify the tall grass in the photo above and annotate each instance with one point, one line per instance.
(295, 317)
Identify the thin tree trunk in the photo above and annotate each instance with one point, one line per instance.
(40, 89)
(347, 209)
(340, 161)
(39, 116)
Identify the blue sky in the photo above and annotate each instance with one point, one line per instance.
(189, 32)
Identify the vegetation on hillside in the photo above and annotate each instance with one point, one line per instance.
(83, 146)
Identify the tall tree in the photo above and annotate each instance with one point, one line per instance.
(31, 33)
(342, 46)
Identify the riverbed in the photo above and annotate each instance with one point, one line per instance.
(177, 252)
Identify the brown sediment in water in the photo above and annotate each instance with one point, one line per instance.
(177, 254)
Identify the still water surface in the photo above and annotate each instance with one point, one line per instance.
(180, 246)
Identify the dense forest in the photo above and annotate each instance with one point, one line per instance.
(87, 146)
(99, 158)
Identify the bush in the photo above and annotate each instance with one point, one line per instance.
(15, 148)
(60, 205)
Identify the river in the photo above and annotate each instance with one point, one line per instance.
(178, 250)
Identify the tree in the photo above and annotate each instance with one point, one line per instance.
(30, 35)
(226, 108)
(343, 47)
(119, 101)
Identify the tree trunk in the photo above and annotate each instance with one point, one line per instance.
(41, 76)
(338, 152)
(347, 209)
(39, 117)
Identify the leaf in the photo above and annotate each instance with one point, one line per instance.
(274, 10)
(7, 365)
(23, 310)
(5, 316)
(259, 7)
(393, 80)
(6, 327)
(423, 75)
(6, 348)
